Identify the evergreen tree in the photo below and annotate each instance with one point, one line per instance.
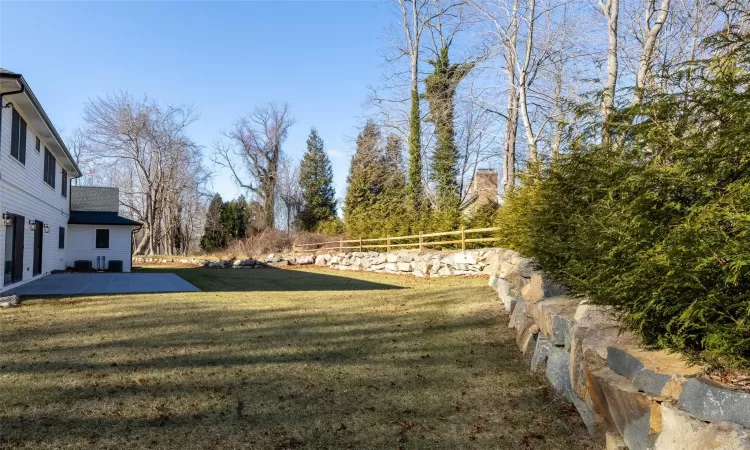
(234, 218)
(316, 180)
(392, 214)
(365, 182)
(440, 93)
(214, 236)
(414, 187)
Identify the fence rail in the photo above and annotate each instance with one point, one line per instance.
(363, 244)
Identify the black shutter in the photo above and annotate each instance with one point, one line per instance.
(22, 141)
(14, 134)
(61, 238)
(18, 229)
(64, 183)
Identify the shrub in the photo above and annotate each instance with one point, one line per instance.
(658, 226)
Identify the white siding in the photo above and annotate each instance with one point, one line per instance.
(24, 192)
(81, 244)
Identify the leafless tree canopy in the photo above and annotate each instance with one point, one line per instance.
(143, 148)
(252, 152)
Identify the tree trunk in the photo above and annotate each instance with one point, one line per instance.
(649, 46)
(611, 11)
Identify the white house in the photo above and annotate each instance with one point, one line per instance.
(35, 173)
(96, 232)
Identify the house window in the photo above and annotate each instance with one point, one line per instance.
(18, 138)
(61, 238)
(49, 168)
(102, 238)
(64, 183)
(38, 144)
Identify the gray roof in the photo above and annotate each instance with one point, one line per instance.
(94, 198)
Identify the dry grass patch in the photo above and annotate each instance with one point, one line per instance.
(276, 359)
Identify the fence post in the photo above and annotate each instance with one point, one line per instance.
(463, 239)
(420, 241)
(388, 244)
(294, 248)
(360, 244)
(341, 245)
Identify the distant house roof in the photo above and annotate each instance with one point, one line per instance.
(99, 218)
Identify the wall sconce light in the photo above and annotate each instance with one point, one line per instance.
(8, 105)
(46, 228)
(32, 225)
(7, 219)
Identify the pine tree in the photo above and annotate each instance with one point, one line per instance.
(440, 93)
(316, 180)
(213, 236)
(392, 211)
(365, 182)
(234, 218)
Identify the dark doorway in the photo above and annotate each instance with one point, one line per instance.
(13, 258)
(38, 238)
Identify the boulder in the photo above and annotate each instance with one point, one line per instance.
(613, 441)
(541, 353)
(524, 266)
(321, 260)
(405, 257)
(526, 339)
(306, 259)
(391, 258)
(594, 331)
(654, 372)
(555, 318)
(404, 267)
(539, 287)
(10, 301)
(380, 258)
(624, 409)
(391, 267)
(558, 361)
(709, 401)
(681, 431)
(518, 319)
(445, 271)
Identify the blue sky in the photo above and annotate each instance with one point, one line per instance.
(222, 57)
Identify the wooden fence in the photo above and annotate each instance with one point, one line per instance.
(343, 245)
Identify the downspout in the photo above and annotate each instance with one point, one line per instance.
(132, 241)
(4, 94)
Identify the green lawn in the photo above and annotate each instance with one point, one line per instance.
(276, 359)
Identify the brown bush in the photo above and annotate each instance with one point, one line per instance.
(269, 241)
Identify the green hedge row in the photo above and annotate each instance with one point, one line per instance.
(658, 226)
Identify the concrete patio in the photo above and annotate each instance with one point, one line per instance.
(104, 283)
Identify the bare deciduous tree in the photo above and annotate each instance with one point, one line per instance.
(147, 153)
(254, 151)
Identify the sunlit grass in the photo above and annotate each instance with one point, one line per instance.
(357, 361)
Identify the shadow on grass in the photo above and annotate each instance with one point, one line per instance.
(426, 368)
(269, 279)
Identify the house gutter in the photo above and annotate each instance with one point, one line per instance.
(26, 89)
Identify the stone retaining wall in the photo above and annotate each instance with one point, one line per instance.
(639, 399)
(420, 264)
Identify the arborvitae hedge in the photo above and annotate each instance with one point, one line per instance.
(658, 226)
